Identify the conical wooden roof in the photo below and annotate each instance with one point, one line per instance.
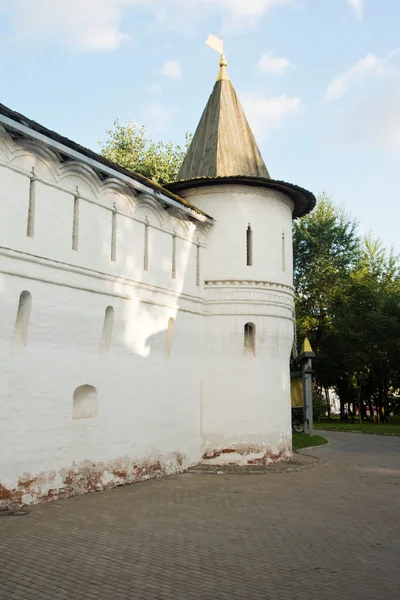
(223, 145)
(224, 151)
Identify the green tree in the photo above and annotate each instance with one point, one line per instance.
(365, 329)
(348, 299)
(128, 146)
(325, 248)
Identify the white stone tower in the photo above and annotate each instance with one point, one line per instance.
(245, 411)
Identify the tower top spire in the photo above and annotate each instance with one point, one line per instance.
(224, 150)
(223, 144)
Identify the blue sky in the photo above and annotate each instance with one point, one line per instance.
(319, 80)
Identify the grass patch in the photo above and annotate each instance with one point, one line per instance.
(371, 428)
(303, 440)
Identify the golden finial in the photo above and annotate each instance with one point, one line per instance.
(217, 44)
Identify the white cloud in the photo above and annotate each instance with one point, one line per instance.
(370, 65)
(371, 119)
(358, 7)
(379, 119)
(172, 68)
(245, 13)
(273, 64)
(267, 113)
(158, 118)
(97, 24)
(82, 24)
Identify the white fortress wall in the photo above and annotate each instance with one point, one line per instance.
(105, 270)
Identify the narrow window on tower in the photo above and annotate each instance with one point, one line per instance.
(283, 252)
(30, 230)
(75, 223)
(249, 246)
(114, 235)
(250, 339)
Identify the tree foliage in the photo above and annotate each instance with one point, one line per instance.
(348, 299)
(128, 146)
(325, 247)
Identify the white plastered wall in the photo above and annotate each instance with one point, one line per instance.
(246, 398)
(147, 421)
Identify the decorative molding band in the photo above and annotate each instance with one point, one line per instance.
(255, 293)
(248, 283)
(90, 273)
(248, 314)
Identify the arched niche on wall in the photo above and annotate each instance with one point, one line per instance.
(85, 403)
(22, 320)
(108, 325)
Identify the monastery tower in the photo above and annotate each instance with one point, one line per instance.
(248, 287)
(143, 328)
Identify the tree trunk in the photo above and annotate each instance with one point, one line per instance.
(371, 410)
(360, 415)
(328, 402)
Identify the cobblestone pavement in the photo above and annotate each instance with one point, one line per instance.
(327, 533)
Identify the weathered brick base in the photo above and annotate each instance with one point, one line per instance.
(87, 476)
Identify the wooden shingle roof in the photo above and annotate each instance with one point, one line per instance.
(224, 150)
(223, 145)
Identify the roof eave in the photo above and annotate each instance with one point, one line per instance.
(304, 201)
(106, 167)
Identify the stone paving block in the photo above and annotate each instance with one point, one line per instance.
(326, 533)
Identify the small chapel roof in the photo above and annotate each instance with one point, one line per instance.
(223, 150)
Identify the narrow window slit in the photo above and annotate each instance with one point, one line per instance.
(283, 252)
(75, 225)
(114, 235)
(146, 246)
(198, 263)
(174, 256)
(250, 339)
(30, 229)
(249, 246)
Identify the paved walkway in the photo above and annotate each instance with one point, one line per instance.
(328, 533)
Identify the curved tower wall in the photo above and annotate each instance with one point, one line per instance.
(248, 330)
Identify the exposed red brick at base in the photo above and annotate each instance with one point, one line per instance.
(249, 454)
(87, 476)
